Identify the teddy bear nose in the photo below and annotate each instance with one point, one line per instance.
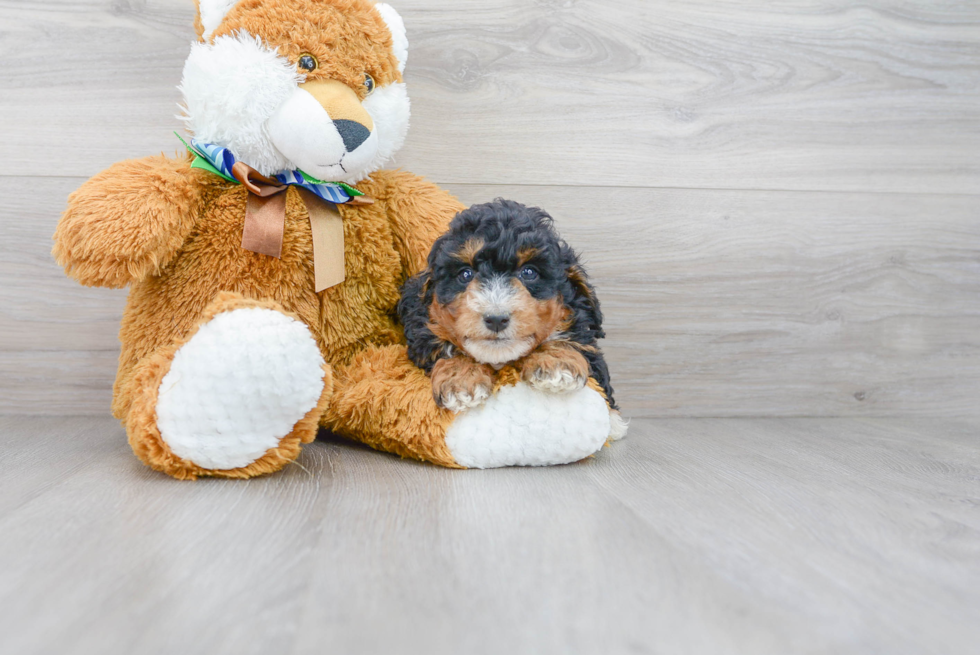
(496, 323)
(352, 132)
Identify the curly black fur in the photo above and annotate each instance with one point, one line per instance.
(506, 227)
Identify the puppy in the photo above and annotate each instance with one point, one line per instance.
(502, 287)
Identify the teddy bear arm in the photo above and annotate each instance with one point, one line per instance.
(128, 221)
(419, 212)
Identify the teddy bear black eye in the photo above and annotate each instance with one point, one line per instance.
(465, 275)
(307, 62)
(368, 83)
(528, 274)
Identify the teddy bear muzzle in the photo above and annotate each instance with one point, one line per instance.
(325, 130)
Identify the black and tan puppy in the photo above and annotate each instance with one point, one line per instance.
(502, 287)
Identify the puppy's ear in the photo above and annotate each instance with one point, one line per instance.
(584, 305)
(586, 320)
(424, 348)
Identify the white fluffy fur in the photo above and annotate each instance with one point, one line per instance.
(212, 13)
(498, 352)
(240, 94)
(617, 425)
(521, 426)
(231, 88)
(239, 386)
(390, 110)
(304, 133)
(495, 296)
(399, 36)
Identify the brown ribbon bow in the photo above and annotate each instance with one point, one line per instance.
(265, 220)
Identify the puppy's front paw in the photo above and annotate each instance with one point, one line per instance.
(460, 401)
(555, 368)
(459, 383)
(556, 380)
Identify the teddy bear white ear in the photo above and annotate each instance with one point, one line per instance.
(212, 13)
(398, 36)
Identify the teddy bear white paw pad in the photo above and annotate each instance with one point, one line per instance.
(523, 426)
(238, 387)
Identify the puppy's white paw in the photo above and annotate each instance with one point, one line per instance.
(556, 380)
(460, 401)
(459, 383)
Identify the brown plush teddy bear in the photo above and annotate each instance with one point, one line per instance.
(264, 282)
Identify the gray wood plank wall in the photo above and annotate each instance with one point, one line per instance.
(779, 203)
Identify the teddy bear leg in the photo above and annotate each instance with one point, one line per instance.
(521, 425)
(383, 400)
(236, 399)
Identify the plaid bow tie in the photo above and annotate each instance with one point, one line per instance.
(221, 161)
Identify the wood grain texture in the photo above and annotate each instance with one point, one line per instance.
(717, 303)
(40, 307)
(884, 96)
(754, 536)
(57, 382)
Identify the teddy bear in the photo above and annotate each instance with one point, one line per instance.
(264, 265)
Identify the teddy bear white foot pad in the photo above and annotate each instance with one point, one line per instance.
(522, 426)
(238, 387)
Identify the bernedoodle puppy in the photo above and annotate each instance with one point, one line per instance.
(501, 287)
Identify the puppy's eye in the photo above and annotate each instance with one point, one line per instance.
(307, 62)
(368, 83)
(528, 274)
(465, 275)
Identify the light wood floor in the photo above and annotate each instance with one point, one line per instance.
(780, 206)
(691, 536)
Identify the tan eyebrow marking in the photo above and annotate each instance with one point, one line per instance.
(526, 254)
(469, 250)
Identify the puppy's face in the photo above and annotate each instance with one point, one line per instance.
(496, 289)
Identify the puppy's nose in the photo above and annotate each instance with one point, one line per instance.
(496, 323)
(352, 132)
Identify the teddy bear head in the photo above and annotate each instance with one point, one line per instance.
(308, 85)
